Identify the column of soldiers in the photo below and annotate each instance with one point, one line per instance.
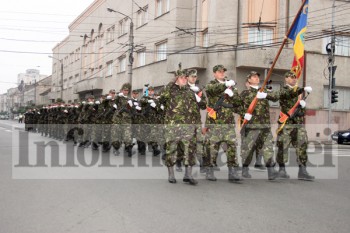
(171, 123)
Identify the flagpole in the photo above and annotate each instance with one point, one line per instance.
(255, 100)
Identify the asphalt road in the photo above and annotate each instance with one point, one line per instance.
(56, 203)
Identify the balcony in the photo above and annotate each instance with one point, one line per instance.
(91, 84)
(188, 60)
(263, 58)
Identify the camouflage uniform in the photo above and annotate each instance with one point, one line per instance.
(257, 133)
(122, 120)
(180, 118)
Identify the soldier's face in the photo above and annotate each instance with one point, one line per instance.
(125, 92)
(192, 79)
(150, 92)
(181, 81)
(135, 95)
(219, 75)
(291, 80)
(112, 94)
(254, 80)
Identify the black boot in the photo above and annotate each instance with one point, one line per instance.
(245, 172)
(94, 146)
(210, 174)
(156, 151)
(272, 174)
(282, 172)
(106, 147)
(178, 166)
(188, 178)
(82, 144)
(128, 150)
(171, 174)
(303, 174)
(87, 144)
(233, 175)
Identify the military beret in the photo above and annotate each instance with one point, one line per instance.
(219, 68)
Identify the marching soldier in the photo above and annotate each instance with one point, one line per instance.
(180, 103)
(107, 120)
(224, 100)
(257, 133)
(292, 132)
(121, 129)
(138, 120)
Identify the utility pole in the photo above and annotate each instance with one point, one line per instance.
(331, 71)
(61, 80)
(131, 44)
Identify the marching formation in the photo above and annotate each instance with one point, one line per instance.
(171, 124)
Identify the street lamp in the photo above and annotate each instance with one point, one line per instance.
(131, 44)
(61, 74)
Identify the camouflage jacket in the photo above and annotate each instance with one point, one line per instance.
(122, 115)
(180, 105)
(261, 113)
(215, 91)
(288, 97)
(152, 115)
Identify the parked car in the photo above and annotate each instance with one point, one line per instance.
(341, 136)
(4, 117)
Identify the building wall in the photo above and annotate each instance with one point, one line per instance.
(228, 25)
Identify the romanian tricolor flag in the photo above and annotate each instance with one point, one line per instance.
(297, 34)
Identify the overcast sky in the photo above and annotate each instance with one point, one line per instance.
(29, 29)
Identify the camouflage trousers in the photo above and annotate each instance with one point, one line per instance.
(216, 137)
(296, 136)
(121, 133)
(199, 146)
(257, 139)
(183, 136)
(96, 133)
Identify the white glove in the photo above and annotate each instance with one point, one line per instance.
(109, 97)
(39, 112)
(136, 104)
(83, 102)
(247, 116)
(130, 103)
(62, 105)
(97, 102)
(230, 83)
(121, 94)
(115, 106)
(302, 103)
(138, 108)
(91, 103)
(76, 106)
(153, 105)
(65, 111)
(308, 89)
(229, 92)
(194, 88)
(198, 99)
(162, 107)
(150, 101)
(261, 95)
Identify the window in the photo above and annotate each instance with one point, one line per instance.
(77, 54)
(161, 49)
(109, 71)
(262, 37)
(142, 16)
(162, 7)
(141, 58)
(123, 29)
(205, 38)
(110, 34)
(122, 64)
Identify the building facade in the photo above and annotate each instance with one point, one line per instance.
(242, 35)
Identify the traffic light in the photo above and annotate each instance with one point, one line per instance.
(334, 97)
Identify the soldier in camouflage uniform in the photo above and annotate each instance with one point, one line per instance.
(122, 120)
(222, 128)
(293, 132)
(191, 82)
(180, 106)
(107, 120)
(138, 121)
(96, 135)
(150, 107)
(257, 132)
